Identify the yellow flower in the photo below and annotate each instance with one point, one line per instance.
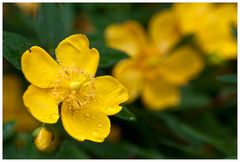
(29, 8)
(153, 71)
(13, 108)
(85, 101)
(211, 24)
(192, 17)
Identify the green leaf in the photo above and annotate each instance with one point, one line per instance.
(70, 150)
(14, 46)
(141, 152)
(8, 130)
(194, 136)
(234, 31)
(126, 115)
(228, 78)
(25, 148)
(121, 150)
(191, 150)
(19, 22)
(181, 129)
(109, 57)
(54, 22)
(192, 99)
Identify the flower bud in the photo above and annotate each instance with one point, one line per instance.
(43, 138)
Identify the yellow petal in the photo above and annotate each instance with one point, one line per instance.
(181, 65)
(85, 123)
(74, 52)
(164, 31)
(39, 68)
(192, 16)
(128, 37)
(109, 94)
(129, 74)
(216, 37)
(160, 94)
(226, 13)
(41, 104)
(223, 46)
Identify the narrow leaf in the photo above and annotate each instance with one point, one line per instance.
(126, 115)
(14, 46)
(54, 23)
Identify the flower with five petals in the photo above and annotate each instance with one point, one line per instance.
(155, 70)
(68, 89)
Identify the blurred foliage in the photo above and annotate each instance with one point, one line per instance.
(204, 125)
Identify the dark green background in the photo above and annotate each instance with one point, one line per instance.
(204, 125)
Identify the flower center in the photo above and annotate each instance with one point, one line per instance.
(78, 86)
(74, 86)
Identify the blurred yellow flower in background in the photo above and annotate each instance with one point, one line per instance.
(154, 70)
(29, 8)
(212, 25)
(85, 101)
(13, 108)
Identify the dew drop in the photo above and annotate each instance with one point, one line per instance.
(100, 125)
(131, 118)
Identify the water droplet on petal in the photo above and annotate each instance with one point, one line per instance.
(93, 118)
(100, 125)
(87, 115)
(109, 108)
